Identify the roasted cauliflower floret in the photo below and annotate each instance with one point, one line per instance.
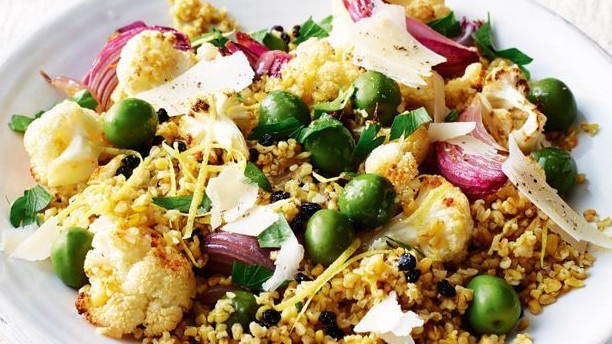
(423, 10)
(441, 225)
(196, 17)
(149, 59)
(316, 72)
(460, 91)
(396, 162)
(137, 280)
(64, 145)
(506, 88)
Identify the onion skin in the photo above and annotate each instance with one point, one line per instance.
(101, 79)
(458, 57)
(224, 248)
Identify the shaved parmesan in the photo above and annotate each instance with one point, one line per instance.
(446, 131)
(460, 134)
(572, 227)
(231, 194)
(287, 263)
(389, 322)
(38, 245)
(382, 43)
(473, 146)
(223, 74)
(253, 222)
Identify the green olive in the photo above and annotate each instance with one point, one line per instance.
(245, 308)
(378, 95)
(559, 167)
(369, 200)
(328, 233)
(556, 101)
(130, 123)
(68, 253)
(495, 306)
(280, 105)
(330, 148)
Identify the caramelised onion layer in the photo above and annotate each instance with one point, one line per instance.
(223, 249)
(101, 79)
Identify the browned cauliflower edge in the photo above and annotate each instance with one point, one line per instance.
(138, 280)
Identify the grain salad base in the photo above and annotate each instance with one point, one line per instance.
(507, 243)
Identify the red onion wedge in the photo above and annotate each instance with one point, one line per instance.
(263, 60)
(467, 29)
(224, 248)
(101, 79)
(478, 175)
(68, 86)
(458, 56)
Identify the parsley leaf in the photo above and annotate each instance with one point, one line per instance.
(447, 26)
(326, 23)
(288, 127)
(85, 99)
(19, 123)
(483, 37)
(256, 175)
(408, 122)
(275, 235)
(214, 37)
(367, 142)
(452, 116)
(324, 122)
(259, 35)
(182, 203)
(250, 276)
(335, 105)
(24, 209)
(311, 29)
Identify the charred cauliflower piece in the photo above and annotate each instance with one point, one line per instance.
(64, 145)
(196, 17)
(506, 88)
(441, 225)
(149, 59)
(137, 280)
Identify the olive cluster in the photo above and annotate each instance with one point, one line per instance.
(367, 200)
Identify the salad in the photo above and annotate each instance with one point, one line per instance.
(202, 183)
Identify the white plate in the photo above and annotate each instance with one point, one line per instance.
(40, 309)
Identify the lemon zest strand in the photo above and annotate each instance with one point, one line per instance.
(544, 243)
(198, 192)
(314, 286)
